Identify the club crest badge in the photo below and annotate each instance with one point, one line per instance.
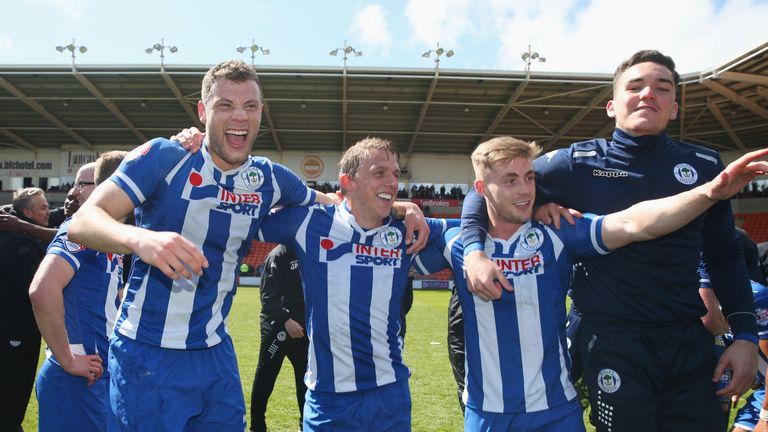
(686, 174)
(72, 247)
(281, 336)
(532, 239)
(253, 178)
(609, 380)
(391, 237)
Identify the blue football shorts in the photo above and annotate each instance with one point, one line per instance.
(381, 409)
(66, 403)
(563, 418)
(160, 389)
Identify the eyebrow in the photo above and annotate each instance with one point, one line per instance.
(641, 79)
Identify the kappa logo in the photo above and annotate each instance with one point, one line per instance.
(609, 381)
(685, 174)
(253, 177)
(613, 173)
(391, 237)
(532, 239)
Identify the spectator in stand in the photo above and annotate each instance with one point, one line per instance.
(20, 255)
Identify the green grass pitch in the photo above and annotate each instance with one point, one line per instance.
(433, 390)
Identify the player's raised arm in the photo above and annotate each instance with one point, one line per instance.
(98, 225)
(654, 218)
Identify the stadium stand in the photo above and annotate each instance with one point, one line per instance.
(755, 224)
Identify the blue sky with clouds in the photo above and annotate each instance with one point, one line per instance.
(574, 35)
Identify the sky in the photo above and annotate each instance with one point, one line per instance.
(573, 35)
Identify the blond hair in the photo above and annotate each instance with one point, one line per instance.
(500, 151)
(356, 155)
(106, 164)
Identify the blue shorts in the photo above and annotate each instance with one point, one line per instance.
(564, 418)
(749, 414)
(66, 403)
(381, 409)
(160, 389)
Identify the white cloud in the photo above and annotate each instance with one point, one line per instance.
(594, 36)
(444, 21)
(71, 8)
(371, 29)
(5, 42)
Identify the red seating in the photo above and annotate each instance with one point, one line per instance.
(259, 251)
(756, 225)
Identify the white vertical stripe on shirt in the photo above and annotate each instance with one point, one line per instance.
(493, 394)
(381, 295)
(338, 282)
(530, 333)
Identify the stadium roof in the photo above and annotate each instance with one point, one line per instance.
(316, 109)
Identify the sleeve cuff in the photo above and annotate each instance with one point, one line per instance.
(746, 337)
(472, 247)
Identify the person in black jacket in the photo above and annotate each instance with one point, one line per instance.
(282, 332)
(20, 255)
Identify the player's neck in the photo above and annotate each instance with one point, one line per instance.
(501, 229)
(366, 219)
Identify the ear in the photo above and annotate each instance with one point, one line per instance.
(480, 187)
(609, 109)
(674, 112)
(27, 213)
(345, 181)
(201, 111)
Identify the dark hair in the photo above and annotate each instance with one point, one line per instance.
(232, 70)
(644, 56)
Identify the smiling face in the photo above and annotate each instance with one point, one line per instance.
(232, 116)
(372, 189)
(509, 191)
(643, 99)
(84, 183)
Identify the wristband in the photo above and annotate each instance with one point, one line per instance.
(764, 414)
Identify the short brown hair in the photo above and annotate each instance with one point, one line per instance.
(354, 157)
(501, 150)
(231, 70)
(644, 56)
(106, 164)
(22, 198)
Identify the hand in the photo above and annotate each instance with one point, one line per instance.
(741, 357)
(294, 329)
(9, 222)
(170, 252)
(336, 197)
(191, 139)
(551, 213)
(86, 366)
(484, 279)
(415, 222)
(761, 426)
(737, 175)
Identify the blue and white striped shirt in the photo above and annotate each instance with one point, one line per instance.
(91, 296)
(516, 350)
(353, 281)
(220, 211)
